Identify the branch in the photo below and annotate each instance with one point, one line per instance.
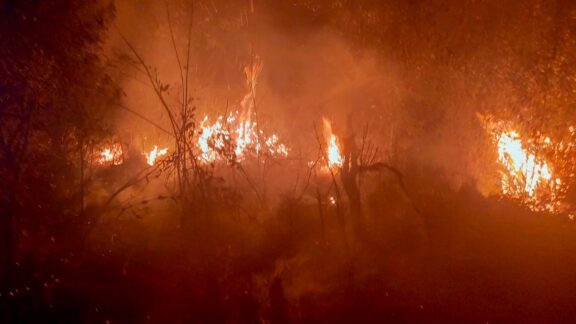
(381, 165)
(153, 82)
(145, 119)
(176, 52)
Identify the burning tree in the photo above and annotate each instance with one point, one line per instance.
(350, 162)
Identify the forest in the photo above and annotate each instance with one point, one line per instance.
(289, 161)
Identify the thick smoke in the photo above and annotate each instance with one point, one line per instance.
(310, 70)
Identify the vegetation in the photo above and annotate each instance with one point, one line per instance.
(257, 223)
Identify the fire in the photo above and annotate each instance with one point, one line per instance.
(111, 155)
(527, 177)
(333, 155)
(211, 139)
(154, 154)
(234, 137)
(274, 147)
(231, 137)
(237, 135)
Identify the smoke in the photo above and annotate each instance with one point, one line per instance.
(308, 72)
(416, 92)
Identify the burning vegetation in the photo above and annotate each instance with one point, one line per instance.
(111, 155)
(526, 175)
(333, 156)
(173, 161)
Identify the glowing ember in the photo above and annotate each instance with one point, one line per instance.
(111, 155)
(332, 200)
(527, 177)
(332, 148)
(275, 147)
(153, 155)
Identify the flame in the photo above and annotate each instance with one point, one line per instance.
(527, 177)
(211, 139)
(235, 136)
(332, 200)
(333, 155)
(111, 155)
(153, 155)
(230, 137)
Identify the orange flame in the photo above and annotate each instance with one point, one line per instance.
(527, 177)
(111, 155)
(154, 154)
(234, 137)
(333, 154)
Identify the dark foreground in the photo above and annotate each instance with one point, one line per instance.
(471, 259)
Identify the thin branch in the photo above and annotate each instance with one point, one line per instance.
(145, 119)
(154, 84)
(176, 52)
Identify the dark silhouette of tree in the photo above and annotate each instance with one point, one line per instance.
(55, 98)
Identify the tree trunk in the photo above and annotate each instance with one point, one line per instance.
(6, 220)
(349, 177)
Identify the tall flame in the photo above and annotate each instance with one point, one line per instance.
(234, 136)
(333, 154)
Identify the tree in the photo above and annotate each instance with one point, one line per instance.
(55, 97)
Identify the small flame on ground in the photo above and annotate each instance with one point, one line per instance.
(111, 155)
(154, 154)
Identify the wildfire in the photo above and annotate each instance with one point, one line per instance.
(527, 177)
(234, 137)
(154, 154)
(333, 155)
(111, 155)
(231, 137)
